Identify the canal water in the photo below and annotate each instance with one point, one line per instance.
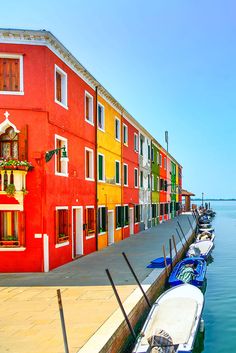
(220, 296)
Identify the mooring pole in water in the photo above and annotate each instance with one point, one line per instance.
(63, 326)
(120, 304)
(176, 252)
(137, 280)
(182, 232)
(190, 223)
(170, 246)
(164, 254)
(177, 231)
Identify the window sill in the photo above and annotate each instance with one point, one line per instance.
(101, 129)
(65, 243)
(101, 181)
(102, 233)
(89, 179)
(61, 104)
(118, 140)
(126, 226)
(62, 174)
(119, 228)
(89, 122)
(14, 93)
(90, 236)
(12, 249)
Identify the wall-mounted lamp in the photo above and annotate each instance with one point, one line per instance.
(49, 154)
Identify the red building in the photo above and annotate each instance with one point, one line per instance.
(46, 105)
(163, 186)
(130, 171)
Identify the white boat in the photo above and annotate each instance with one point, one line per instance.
(173, 321)
(210, 230)
(205, 236)
(201, 248)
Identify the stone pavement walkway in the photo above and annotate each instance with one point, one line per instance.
(29, 316)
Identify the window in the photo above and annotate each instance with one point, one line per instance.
(164, 162)
(101, 117)
(153, 186)
(158, 188)
(60, 86)
(119, 217)
(61, 163)
(62, 233)
(89, 108)
(126, 211)
(117, 172)
(152, 154)
(166, 208)
(125, 174)
(90, 221)
(137, 213)
(149, 152)
(11, 74)
(102, 219)
(148, 181)
(135, 177)
(161, 209)
(141, 179)
(160, 160)
(135, 142)
(141, 212)
(89, 165)
(117, 129)
(9, 228)
(141, 145)
(101, 167)
(125, 134)
(154, 210)
(9, 144)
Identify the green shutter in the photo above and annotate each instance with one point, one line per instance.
(117, 173)
(100, 167)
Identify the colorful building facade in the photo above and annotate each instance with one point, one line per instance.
(76, 168)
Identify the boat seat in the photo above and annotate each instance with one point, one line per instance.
(176, 316)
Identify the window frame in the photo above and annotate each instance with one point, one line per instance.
(141, 177)
(100, 217)
(103, 117)
(89, 121)
(67, 236)
(21, 73)
(103, 168)
(119, 182)
(136, 147)
(125, 134)
(90, 150)
(65, 161)
(136, 178)
(64, 87)
(117, 120)
(127, 174)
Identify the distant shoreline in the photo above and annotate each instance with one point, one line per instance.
(205, 200)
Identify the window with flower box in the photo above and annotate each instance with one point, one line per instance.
(9, 229)
(90, 221)
(102, 219)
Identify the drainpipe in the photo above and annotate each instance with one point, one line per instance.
(95, 165)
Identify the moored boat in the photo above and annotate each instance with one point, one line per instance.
(173, 321)
(201, 248)
(198, 274)
(206, 235)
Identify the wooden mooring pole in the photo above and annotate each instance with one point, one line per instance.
(120, 304)
(176, 252)
(137, 280)
(164, 254)
(63, 326)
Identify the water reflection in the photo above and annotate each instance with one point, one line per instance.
(199, 343)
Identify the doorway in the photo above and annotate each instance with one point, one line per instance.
(131, 220)
(77, 231)
(110, 227)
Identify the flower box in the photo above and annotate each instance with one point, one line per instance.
(62, 239)
(9, 243)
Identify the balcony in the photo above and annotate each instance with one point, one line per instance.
(13, 182)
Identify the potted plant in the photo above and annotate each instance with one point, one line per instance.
(10, 190)
(15, 164)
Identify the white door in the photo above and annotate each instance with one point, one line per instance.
(110, 227)
(78, 230)
(131, 220)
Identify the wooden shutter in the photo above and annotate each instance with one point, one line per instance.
(58, 86)
(9, 74)
(100, 167)
(87, 165)
(21, 227)
(23, 143)
(87, 107)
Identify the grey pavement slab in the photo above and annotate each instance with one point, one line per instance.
(90, 270)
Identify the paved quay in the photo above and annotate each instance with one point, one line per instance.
(29, 315)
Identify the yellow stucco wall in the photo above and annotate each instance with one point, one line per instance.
(109, 194)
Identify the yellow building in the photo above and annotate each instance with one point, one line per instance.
(109, 192)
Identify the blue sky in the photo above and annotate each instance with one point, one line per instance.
(171, 64)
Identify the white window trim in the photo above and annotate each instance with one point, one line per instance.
(64, 89)
(158, 184)
(137, 140)
(93, 234)
(117, 139)
(102, 233)
(125, 127)
(119, 173)
(125, 164)
(153, 189)
(65, 243)
(91, 122)
(103, 115)
(136, 187)
(103, 168)
(92, 164)
(20, 57)
(141, 173)
(58, 137)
